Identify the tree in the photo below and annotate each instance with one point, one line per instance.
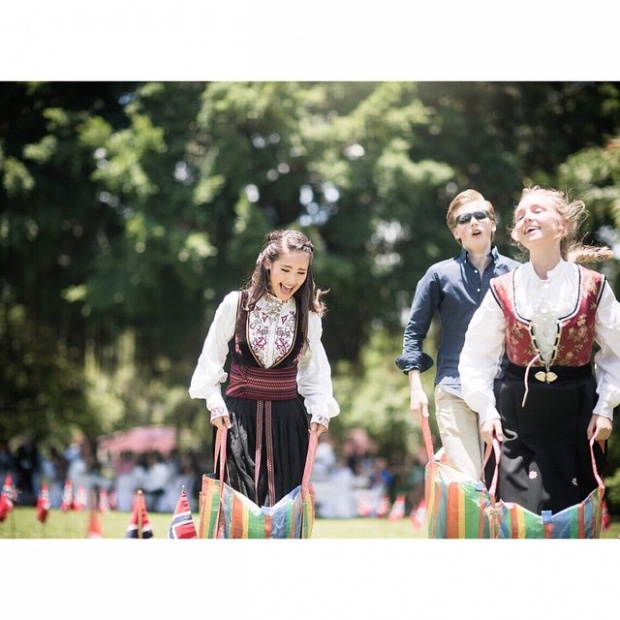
(128, 210)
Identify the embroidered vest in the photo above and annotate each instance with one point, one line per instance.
(574, 332)
(240, 349)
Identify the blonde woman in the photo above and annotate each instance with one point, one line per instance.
(547, 316)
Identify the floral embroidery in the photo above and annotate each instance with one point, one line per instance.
(218, 412)
(272, 325)
(533, 475)
(320, 419)
(575, 333)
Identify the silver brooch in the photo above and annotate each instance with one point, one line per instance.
(545, 377)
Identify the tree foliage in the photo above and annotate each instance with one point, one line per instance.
(128, 210)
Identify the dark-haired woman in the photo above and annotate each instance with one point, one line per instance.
(279, 383)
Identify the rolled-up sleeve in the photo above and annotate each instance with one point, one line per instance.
(209, 373)
(314, 375)
(607, 359)
(481, 357)
(423, 308)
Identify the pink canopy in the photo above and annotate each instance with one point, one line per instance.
(140, 439)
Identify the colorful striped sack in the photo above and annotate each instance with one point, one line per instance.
(226, 513)
(582, 520)
(457, 507)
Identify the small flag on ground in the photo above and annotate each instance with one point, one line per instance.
(104, 502)
(383, 506)
(12, 491)
(94, 526)
(6, 497)
(67, 496)
(182, 524)
(606, 517)
(398, 508)
(364, 506)
(418, 516)
(43, 503)
(81, 499)
(139, 525)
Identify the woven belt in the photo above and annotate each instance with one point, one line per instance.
(262, 383)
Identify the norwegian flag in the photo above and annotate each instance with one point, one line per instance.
(94, 526)
(398, 508)
(182, 524)
(139, 525)
(606, 517)
(418, 516)
(364, 506)
(81, 498)
(67, 496)
(383, 506)
(104, 502)
(6, 497)
(43, 503)
(12, 491)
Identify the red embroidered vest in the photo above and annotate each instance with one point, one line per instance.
(575, 332)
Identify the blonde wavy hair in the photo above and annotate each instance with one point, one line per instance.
(573, 213)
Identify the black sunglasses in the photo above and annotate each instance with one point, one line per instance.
(466, 217)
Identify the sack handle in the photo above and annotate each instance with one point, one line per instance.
(428, 439)
(220, 454)
(312, 446)
(599, 480)
(220, 451)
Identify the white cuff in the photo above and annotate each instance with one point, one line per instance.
(490, 413)
(218, 412)
(319, 419)
(604, 410)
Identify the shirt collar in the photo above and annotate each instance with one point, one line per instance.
(271, 302)
(493, 254)
(563, 267)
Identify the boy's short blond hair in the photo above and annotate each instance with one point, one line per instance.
(468, 195)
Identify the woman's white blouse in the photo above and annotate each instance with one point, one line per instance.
(269, 343)
(542, 302)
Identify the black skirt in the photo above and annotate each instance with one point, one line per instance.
(289, 434)
(545, 461)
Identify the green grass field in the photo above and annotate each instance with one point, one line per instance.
(21, 523)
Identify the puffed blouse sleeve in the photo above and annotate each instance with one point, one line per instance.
(607, 359)
(209, 373)
(314, 376)
(481, 356)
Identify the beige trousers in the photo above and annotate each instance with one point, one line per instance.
(460, 436)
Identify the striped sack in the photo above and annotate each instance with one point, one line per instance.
(457, 507)
(582, 520)
(227, 513)
(289, 518)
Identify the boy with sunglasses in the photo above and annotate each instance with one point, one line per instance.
(452, 290)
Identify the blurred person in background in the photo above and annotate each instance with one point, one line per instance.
(7, 460)
(28, 468)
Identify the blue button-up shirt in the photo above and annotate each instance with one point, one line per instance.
(451, 289)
